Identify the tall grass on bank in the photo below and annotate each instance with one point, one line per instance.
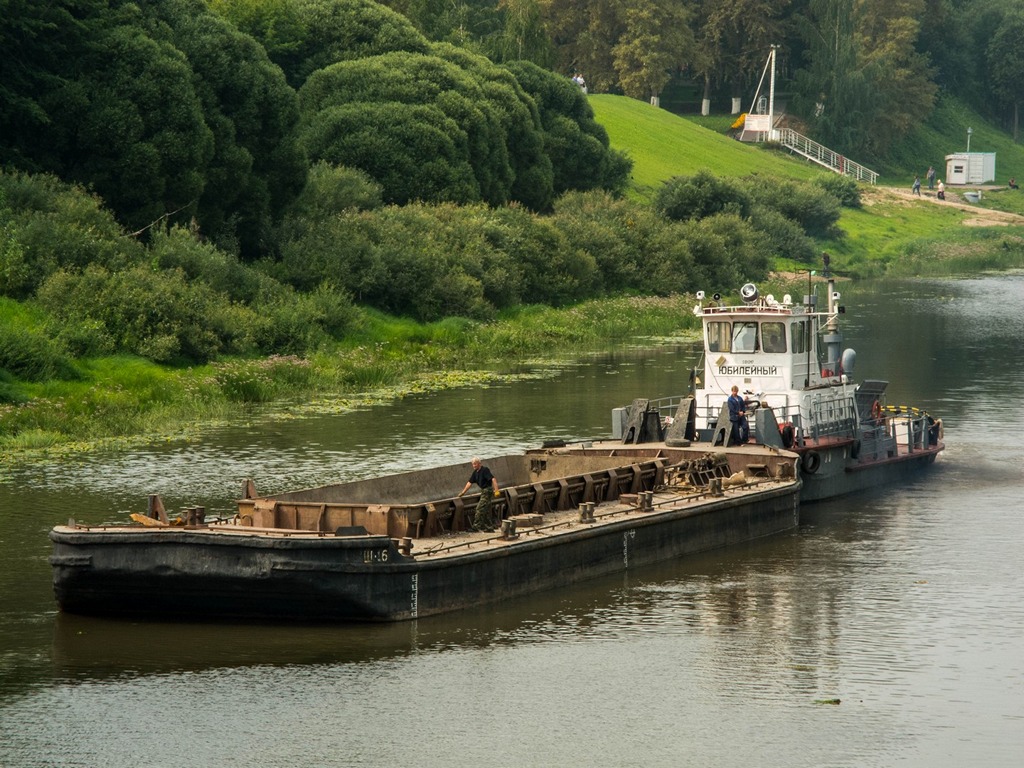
(124, 400)
(989, 250)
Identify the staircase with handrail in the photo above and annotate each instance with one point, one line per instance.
(793, 141)
(822, 155)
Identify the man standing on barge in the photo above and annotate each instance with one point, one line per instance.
(488, 485)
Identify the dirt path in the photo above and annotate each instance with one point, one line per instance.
(980, 216)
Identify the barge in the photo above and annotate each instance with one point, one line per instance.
(399, 547)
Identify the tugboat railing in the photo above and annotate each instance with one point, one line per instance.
(830, 415)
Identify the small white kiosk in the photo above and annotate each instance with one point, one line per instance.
(970, 167)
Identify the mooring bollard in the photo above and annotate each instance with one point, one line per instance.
(587, 512)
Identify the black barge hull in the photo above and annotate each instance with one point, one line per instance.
(234, 575)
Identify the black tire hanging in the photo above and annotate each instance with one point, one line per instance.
(811, 462)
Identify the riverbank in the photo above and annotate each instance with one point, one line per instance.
(122, 402)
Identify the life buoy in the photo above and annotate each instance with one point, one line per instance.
(876, 411)
(811, 462)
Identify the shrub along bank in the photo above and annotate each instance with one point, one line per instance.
(106, 335)
(115, 400)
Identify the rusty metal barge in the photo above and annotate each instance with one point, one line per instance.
(399, 547)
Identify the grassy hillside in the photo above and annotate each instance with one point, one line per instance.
(663, 145)
(945, 133)
(891, 233)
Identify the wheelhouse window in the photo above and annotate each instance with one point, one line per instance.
(744, 337)
(719, 337)
(800, 337)
(773, 337)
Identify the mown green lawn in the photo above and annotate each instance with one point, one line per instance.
(663, 145)
(889, 234)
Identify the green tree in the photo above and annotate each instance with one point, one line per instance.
(865, 85)
(835, 90)
(656, 39)
(49, 225)
(889, 31)
(277, 24)
(945, 39)
(584, 33)
(155, 314)
(116, 110)
(522, 36)
(257, 167)
(577, 145)
(303, 36)
(517, 115)
(457, 128)
(686, 198)
(419, 125)
(633, 246)
(37, 40)
(414, 152)
(733, 40)
(1005, 59)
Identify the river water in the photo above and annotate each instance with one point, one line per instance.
(888, 630)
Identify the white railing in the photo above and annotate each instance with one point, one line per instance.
(822, 155)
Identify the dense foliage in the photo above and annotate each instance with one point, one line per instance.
(181, 299)
(183, 180)
(861, 74)
(187, 112)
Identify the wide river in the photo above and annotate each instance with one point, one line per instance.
(888, 630)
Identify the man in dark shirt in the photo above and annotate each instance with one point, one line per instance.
(488, 485)
(738, 417)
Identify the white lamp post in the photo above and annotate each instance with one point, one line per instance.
(969, 132)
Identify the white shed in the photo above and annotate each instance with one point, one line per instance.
(970, 167)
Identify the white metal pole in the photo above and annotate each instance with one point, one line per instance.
(771, 98)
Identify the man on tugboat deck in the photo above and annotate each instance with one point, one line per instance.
(738, 417)
(488, 485)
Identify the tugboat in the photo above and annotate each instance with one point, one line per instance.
(796, 381)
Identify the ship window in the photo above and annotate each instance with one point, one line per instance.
(798, 337)
(719, 337)
(744, 337)
(773, 337)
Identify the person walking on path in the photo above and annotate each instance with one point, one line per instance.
(916, 189)
(488, 485)
(931, 177)
(941, 194)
